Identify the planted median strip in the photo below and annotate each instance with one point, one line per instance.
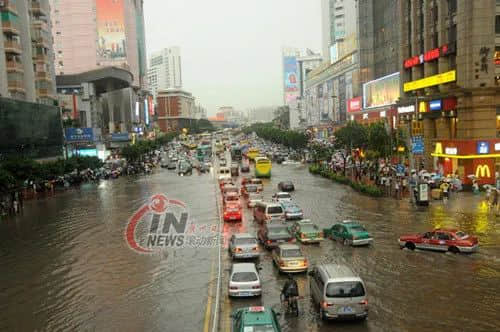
(360, 187)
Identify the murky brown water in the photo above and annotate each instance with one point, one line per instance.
(65, 264)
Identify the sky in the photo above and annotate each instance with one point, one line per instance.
(231, 49)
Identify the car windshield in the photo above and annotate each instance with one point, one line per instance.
(291, 253)
(254, 196)
(245, 240)
(278, 230)
(251, 188)
(357, 228)
(232, 209)
(232, 198)
(244, 276)
(256, 181)
(309, 228)
(461, 235)
(345, 289)
(274, 210)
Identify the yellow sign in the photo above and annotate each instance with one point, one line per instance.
(401, 149)
(483, 171)
(439, 148)
(449, 76)
(422, 107)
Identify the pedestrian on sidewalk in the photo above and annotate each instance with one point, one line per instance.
(494, 200)
(404, 184)
(16, 206)
(397, 188)
(388, 186)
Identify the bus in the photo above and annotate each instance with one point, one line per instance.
(236, 153)
(252, 153)
(262, 167)
(204, 153)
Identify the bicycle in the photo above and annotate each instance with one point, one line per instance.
(292, 304)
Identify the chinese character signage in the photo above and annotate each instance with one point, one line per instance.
(483, 147)
(417, 145)
(79, 135)
(110, 16)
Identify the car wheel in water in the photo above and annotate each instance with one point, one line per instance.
(410, 245)
(454, 250)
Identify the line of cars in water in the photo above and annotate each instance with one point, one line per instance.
(339, 292)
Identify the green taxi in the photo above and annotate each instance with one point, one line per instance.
(349, 232)
(306, 231)
(255, 319)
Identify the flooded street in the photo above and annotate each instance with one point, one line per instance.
(407, 291)
(66, 265)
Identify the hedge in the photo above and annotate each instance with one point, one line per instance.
(360, 187)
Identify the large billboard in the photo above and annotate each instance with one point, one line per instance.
(381, 92)
(110, 15)
(291, 78)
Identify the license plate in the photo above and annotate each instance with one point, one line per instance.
(245, 294)
(280, 241)
(293, 263)
(232, 218)
(346, 310)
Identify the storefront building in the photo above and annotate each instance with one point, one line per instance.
(449, 78)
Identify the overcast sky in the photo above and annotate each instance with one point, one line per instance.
(231, 49)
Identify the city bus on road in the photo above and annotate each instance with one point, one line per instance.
(262, 167)
(236, 153)
(252, 153)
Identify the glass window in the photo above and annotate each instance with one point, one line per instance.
(244, 276)
(345, 289)
(244, 241)
(497, 24)
(291, 253)
(274, 210)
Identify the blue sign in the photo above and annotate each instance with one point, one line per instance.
(417, 145)
(400, 169)
(435, 105)
(120, 137)
(79, 135)
(483, 147)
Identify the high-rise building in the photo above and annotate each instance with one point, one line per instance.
(89, 34)
(450, 70)
(164, 71)
(339, 30)
(26, 61)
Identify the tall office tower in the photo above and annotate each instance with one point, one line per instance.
(26, 61)
(89, 34)
(165, 71)
(339, 30)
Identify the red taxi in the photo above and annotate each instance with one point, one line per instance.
(232, 212)
(439, 239)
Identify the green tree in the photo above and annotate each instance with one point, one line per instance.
(352, 136)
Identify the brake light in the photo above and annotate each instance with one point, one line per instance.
(233, 287)
(302, 235)
(320, 234)
(325, 304)
(305, 262)
(255, 248)
(292, 239)
(269, 241)
(364, 302)
(255, 287)
(282, 263)
(237, 250)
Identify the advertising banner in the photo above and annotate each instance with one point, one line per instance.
(120, 137)
(290, 77)
(110, 17)
(354, 105)
(381, 92)
(79, 135)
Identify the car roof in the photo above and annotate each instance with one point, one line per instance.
(263, 317)
(339, 271)
(243, 236)
(288, 246)
(244, 267)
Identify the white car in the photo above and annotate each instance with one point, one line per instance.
(244, 280)
(282, 197)
(224, 173)
(254, 198)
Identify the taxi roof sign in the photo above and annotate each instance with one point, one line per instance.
(256, 309)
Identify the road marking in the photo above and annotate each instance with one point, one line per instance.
(208, 311)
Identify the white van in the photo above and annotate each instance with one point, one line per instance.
(267, 212)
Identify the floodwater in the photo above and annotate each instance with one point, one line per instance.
(66, 266)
